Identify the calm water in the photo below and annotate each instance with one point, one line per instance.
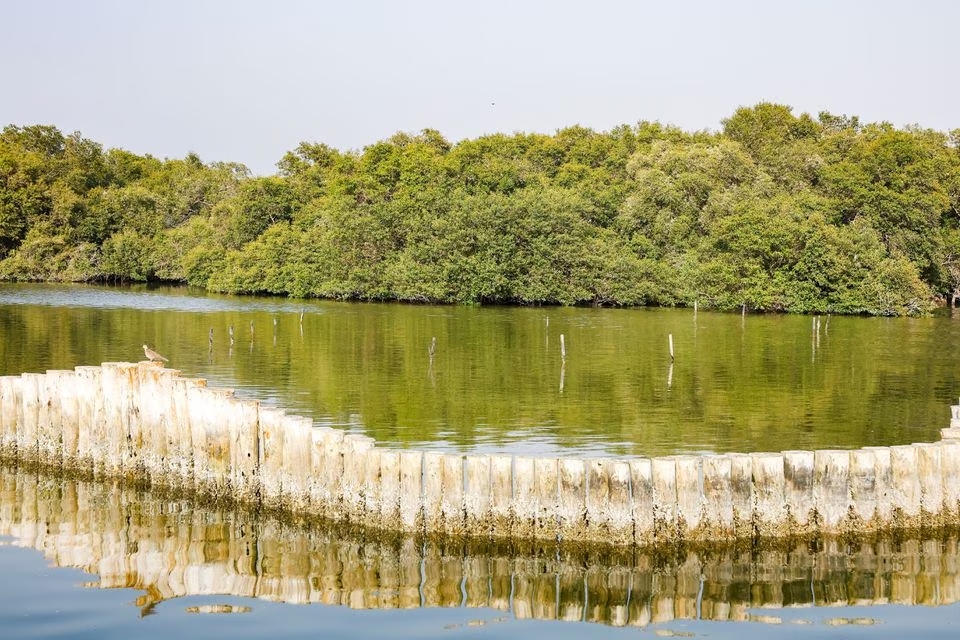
(497, 380)
(96, 561)
(89, 561)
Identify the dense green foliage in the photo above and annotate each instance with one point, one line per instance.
(775, 212)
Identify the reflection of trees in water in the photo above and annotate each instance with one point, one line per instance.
(168, 548)
(738, 384)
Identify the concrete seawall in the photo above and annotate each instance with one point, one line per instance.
(143, 422)
(168, 549)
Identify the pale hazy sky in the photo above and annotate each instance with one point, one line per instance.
(247, 81)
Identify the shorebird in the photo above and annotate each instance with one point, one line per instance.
(152, 355)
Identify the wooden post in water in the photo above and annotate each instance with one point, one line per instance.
(563, 349)
(670, 340)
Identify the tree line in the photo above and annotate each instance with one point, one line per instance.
(774, 212)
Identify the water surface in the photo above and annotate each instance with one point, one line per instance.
(498, 380)
(108, 561)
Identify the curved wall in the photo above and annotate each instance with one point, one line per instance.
(145, 422)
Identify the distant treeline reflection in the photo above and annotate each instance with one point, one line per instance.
(169, 548)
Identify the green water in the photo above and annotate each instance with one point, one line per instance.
(497, 380)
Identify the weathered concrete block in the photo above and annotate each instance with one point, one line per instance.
(11, 409)
(883, 479)
(180, 432)
(60, 441)
(390, 490)
(148, 443)
(243, 419)
(617, 517)
(832, 488)
(950, 463)
(47, 434)
(90, 414)
(572, 514)
(476, 499)
(798, 474)
(411, 490)
(29, 419)
(863, 485)
(373, 488)
(271, 421)
(741, 481)
(319, 497)
(212, 439)
(930, 471)
(641, 494)
(123, 444)
(298, 473)
(906, 499)
(547, 478)
(664, 483)
(717, 523)
(356, 447)
(597, 497)
(524, 501)
(433, 491)
(452, 500)
(501, 495)
(770, 508)
(689, 488)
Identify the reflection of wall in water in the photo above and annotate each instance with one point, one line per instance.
(170, 549)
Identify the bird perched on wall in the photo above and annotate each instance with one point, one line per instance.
(152, 355)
